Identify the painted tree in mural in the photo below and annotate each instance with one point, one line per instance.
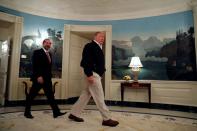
(28, 45)
(56, 51)
(181, 64)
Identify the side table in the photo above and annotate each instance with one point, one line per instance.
(136, 85)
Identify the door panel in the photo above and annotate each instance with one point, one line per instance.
(76, 77)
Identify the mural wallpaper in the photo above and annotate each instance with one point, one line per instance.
(165, 44)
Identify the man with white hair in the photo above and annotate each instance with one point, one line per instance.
(93, 64)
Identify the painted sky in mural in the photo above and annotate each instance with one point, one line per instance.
(164, 26)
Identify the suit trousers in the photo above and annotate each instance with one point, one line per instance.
(47, 86)
(96, 91)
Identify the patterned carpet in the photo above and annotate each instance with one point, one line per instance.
(43, 121)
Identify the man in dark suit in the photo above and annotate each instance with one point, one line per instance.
(41, 78)
(93, 64)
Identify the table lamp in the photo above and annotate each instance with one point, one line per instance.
(135, 65)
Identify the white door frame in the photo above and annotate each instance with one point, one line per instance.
(16, 36)
(4, 64)
(66, 52)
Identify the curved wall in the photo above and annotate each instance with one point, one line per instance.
(150, 38)
(157, 30)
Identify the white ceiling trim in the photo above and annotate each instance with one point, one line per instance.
(131, 15)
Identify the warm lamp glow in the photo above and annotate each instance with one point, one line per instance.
(135, 65)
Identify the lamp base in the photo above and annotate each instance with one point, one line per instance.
(135, 78)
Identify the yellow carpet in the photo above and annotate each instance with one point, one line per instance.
(44, 121)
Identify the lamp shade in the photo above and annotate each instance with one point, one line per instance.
(135, 62)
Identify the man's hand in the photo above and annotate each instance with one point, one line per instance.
(90, 79)
(40, 80)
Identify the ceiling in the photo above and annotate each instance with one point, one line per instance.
(97, 9)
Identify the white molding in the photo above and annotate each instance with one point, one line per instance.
(164, 92)
(16, 36)
(108, 62)
(7, 17)
(65, 62)
(15, 58)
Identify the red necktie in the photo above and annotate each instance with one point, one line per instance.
(48, 56)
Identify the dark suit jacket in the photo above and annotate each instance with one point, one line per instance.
(41, 65)
(93, 59)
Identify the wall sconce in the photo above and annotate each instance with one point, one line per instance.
(135, 65)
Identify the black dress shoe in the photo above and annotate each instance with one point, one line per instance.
(58, 114)
(75, 118)
(110, 122)
(28, 115)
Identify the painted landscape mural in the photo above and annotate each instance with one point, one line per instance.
(165, 44)
(170, 59)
